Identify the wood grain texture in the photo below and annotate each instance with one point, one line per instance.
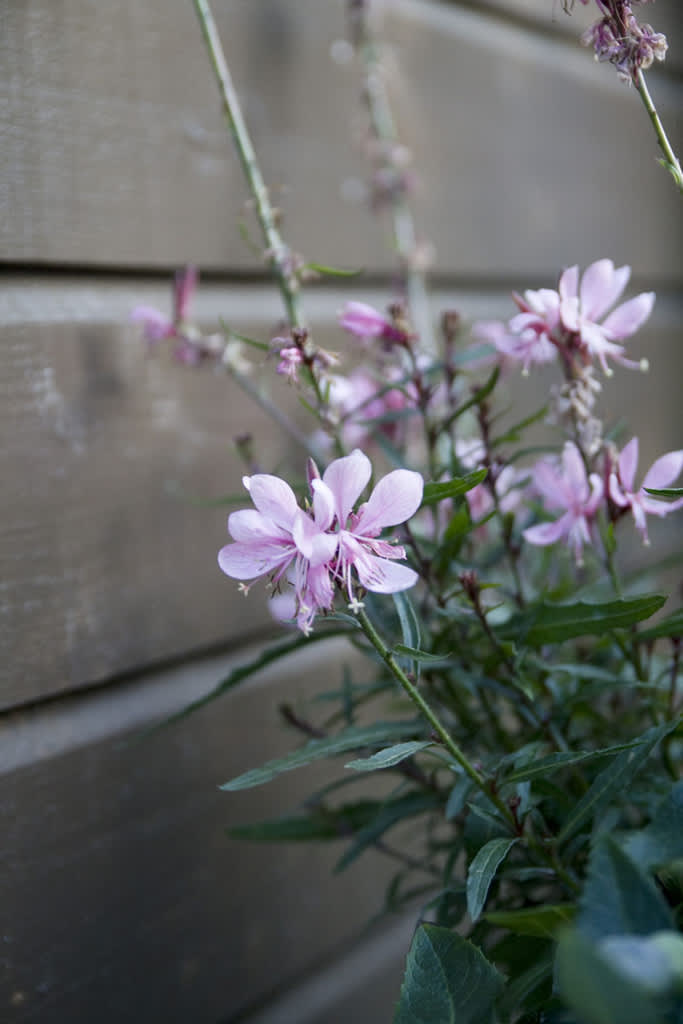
(114, 153)
(123, 899)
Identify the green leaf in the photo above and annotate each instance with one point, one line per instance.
(447, 979)
(665, 492)
(410, 626)
(596, 990)
(543, 922)
(618, 897)
(672, 625)
(661, 841)
(330, 746)
(388, 814)
(482, 871)
(563, 759)
(421, 656)
(615, 779)
(388, 757)
(242, 672)
(321, 268)
(434, 492)
(547, 623)
(321, 823)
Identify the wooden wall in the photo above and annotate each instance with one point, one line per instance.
(120, 896)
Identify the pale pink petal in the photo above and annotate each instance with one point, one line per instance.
(246, 561)
(549, 533)
(323, 504)
(550, 485)
(155, 324)
(575, 471)
(664, 470)
(568, 287)
(627, 318)
(347, 478)
(383, 576)
(596, 289)
(657, 506)
(620, 279)
(273, 497)
(597, 490)
(616, 493)
(363, 320)
(315, 546)
(395, 498)
(628, 464)
(319, 587)
(248, 525)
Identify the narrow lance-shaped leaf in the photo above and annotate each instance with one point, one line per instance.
(564, 759)
(389, 813)
(330, 746)
(447, 979)
(614, 779)
(665, 492)
(551, 623)
(482, 871)
(435, 492)
(388, 757)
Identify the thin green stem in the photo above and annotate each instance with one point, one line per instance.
(670, 160)
(440, 730)
(403, 224)
(280, 255)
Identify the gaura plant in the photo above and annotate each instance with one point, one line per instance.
(520, 704)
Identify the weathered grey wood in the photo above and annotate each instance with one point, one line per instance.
(123, 899)
(114, 152)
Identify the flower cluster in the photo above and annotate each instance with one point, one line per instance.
(328, 544)
(570, 320)
(619, 38)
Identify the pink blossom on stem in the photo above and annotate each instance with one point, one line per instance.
(155, 325)
(290, 361)
(583, 305)
(528, 337)
(367, 323)
(567, 487)
(276, 537)
(394, 499)
(662, 473)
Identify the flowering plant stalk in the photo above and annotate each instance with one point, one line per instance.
(518, 702)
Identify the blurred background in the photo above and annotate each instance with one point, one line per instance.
(121, 897)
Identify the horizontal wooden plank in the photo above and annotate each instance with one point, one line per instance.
(123, 899)
(114, 152)
(105, 568)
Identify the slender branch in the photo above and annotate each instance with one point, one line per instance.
(670, 160)
(279, 253)
(403, 224)
(418, 700)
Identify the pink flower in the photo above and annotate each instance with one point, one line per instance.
(290, 361)
(155, 325)
(394, 499)
(278, 536)
(314, 550)
(366, 322)
(566, 487)
(528, 337)
(582, 306)
(364, 405)
(661, 473)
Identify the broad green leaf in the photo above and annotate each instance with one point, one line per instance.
(613, 780)
(482, 871)
(547, 623)
(447, 981)
(618, 897)
(661, 841)
(388, 814)
(321, 823)
(389, 756)
(543, 922)
(594, 989)
(672, 625)
(330, 746)
(564, 759)
(435, 492)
